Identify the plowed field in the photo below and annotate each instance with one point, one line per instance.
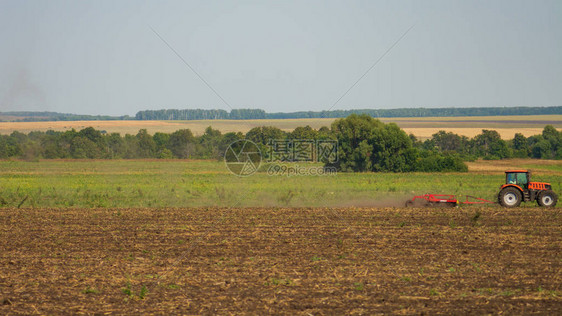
(308, 261)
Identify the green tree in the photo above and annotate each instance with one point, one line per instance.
(264, 134)
(554, 137)
(147, 145)
(391, 149)
(182, 143)
(209, 142)
(434, 162)
(489, 145)
(92, 134)
(161, 140)
(542, 149)
(520, 146)
(366, 144)
(226, 140)
(450, 142)
(9, 146)
(51, 148)
(116, 145)
(304, 133)
(82, 147)
(353, 135)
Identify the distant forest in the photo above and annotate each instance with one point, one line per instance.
(33, 116)
(253, 114)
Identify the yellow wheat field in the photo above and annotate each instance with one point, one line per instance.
(422, 128)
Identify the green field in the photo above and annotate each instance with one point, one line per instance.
(196, 183)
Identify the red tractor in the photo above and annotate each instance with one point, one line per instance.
(519, 188)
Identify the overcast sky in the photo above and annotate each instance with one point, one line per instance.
(101, 57)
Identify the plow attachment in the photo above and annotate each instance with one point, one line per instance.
(443, 200)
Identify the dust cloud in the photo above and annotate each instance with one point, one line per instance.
(21, 93)
(390, 201)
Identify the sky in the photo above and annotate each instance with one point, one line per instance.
(107, 57)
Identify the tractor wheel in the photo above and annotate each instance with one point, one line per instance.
(509, 197)
(409, 203)
(547, 198)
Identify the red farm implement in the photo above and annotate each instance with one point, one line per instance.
(444, 200)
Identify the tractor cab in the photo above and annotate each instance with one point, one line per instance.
(520, 178)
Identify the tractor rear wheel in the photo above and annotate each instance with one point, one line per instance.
(547, 198)
(509, 197)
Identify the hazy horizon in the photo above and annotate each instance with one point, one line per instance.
(103, 57)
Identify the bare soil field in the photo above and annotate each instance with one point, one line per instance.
(507, 126)
(304, 261)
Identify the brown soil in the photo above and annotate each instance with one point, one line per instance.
(284, 261)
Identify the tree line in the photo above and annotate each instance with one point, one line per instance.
(423, 112)
(489, 145)
(252, 114)
(36, 116)
(199, 114)
(364, 144)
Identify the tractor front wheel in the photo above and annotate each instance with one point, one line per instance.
(547, 198)
(509, 197)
